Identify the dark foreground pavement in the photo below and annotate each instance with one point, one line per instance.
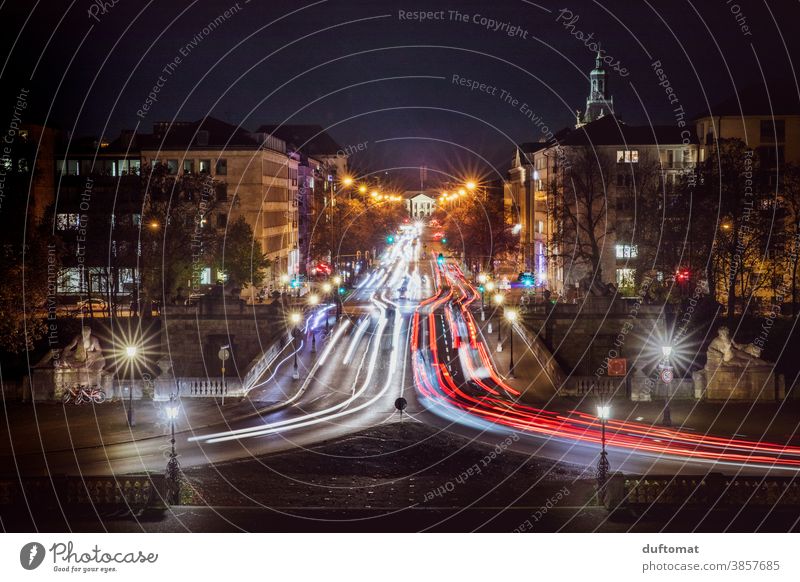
(396, 477)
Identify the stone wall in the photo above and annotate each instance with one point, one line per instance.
(582, 336)
(192, 336)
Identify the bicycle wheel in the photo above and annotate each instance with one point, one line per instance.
(99, 396)
(66, 397)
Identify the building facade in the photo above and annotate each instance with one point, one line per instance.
(420, 204)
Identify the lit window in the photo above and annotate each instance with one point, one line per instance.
(626, 278)
(205, 276)
(205, 166)
(628, 156)
(68, 221)
(627, 251)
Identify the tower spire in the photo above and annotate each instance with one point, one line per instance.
(599, 102)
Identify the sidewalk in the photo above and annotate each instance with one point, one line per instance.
(774, 421)
(52, 426)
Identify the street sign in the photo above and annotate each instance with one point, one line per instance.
(617, 366)
(667, 374)
(400, 404)
(224, 353)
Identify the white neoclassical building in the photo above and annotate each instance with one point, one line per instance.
(419, 204)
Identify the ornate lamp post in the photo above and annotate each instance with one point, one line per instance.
(326, 289)
(666, 377)
(294, 319)
(173, 467)
(498, 299)
(511, 316)
(603, 413)
(337, 281)
(482, 282)
(313, 300)
(130, 353)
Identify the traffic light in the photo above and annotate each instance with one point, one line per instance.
(390, 239)
(683, 275)
(481, 288)
(440, 259)
(341, 290)
(444, 240)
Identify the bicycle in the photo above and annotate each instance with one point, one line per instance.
(80, 394)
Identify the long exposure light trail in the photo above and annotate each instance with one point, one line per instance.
(435, 382)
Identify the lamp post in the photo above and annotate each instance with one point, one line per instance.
(130, 352)
(511, 316)
(173, 468)
(490, 287)
(666, 377)
(313, 300)
(603, 413)
(337, 281)
(223, 354)
(497, 299)
(326, 289)
(295, 318)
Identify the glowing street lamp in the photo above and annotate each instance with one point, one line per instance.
(294, 319)
(666, 377)
(603, 413)
(511, 316)
(471, 185)
(347, 181)
(173, 468)
(362, 189)
(313, 300)
(131, 353)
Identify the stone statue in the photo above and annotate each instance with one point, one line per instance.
(83, 352)
(723, 351)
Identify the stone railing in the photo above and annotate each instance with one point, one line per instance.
(581, 386)
(132, 492)
(643, 492)
(210, 387)
(544, 357)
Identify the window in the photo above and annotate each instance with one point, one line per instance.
(773, 130)
(222, 192)
(222, 167)
(627, 251)
(69, 280)
(627, 156)
(188, 166)
(68, 221)
(137, 220)
(205, 276)
(626, 279)
(172, 167)
(540, 226)
(205, 166)
(771, 156)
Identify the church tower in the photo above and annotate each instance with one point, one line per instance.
(599, 102)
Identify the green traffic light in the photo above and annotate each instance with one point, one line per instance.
(444, 241)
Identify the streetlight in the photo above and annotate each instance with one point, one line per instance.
(173, 468)
(498, 299)
(294, 319)
(337, 281)
(347, 181)
(313, 300)
(130, 352)
(471, 185)
(326, 289)
(603, 413)
(511, 316)
(666, 377)
(284, 281)
(482, 281)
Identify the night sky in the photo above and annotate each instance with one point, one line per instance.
(373, 77)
